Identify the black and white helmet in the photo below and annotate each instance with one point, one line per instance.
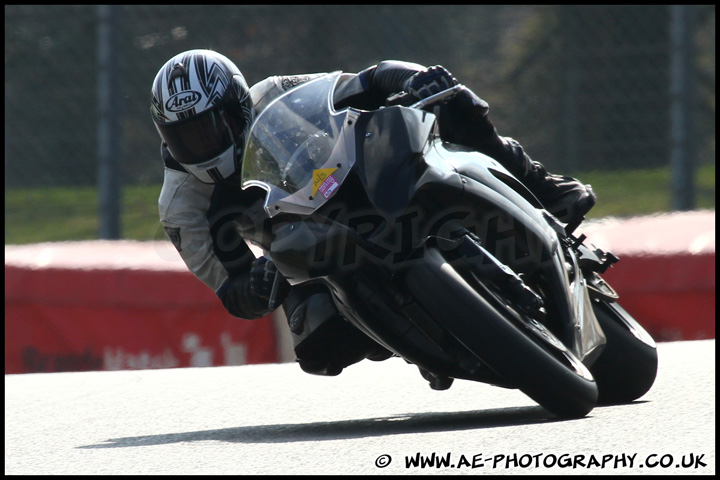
(202, 109)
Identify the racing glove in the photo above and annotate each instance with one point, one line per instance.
(429, 82)
(268, 283)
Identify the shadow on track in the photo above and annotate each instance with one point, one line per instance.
(344, 429)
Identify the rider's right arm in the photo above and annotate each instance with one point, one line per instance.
(183, 206)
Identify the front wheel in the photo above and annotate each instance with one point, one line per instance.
(516, 347)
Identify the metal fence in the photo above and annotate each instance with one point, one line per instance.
(581, 87)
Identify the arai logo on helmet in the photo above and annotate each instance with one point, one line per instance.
(182, 101)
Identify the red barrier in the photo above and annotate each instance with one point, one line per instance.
(130, 305)
(118, 316)
(666, 274)
(671, 310)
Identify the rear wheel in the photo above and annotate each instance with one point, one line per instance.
(518, 348)
(627, 368)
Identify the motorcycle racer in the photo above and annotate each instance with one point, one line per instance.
(202, 108)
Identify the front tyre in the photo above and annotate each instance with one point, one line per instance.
(516, 347)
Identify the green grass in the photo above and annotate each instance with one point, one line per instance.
(71, 213)
(59, 214)
(645, 191)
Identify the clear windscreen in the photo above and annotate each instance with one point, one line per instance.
(293, 139)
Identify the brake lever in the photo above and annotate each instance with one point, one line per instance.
(438, 97)
(274, 291)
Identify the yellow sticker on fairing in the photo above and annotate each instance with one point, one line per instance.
(320, 176)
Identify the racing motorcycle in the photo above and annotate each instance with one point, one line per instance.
(438, 253)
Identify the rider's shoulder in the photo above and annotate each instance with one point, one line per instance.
(267, 90)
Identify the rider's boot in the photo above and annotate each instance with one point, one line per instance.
(565, 197)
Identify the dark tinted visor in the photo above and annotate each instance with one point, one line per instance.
(199, 139)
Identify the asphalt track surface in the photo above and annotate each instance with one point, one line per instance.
(375, 418)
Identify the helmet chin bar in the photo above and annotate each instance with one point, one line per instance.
(215, 170)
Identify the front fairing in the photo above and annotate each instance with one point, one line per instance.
(300, 149)
(531, 226)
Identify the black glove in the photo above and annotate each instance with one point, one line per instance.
(263, 275)
(429, 82)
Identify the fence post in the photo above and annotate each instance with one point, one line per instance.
(682, 168)
(570, 81)
(109, 121)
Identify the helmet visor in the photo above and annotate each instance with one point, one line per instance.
(199, 139)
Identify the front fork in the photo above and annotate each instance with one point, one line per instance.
(575, 322)
(504, 277)
(488, 268)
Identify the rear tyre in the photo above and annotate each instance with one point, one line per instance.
(627, 368)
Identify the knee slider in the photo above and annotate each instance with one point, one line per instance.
(310, 314)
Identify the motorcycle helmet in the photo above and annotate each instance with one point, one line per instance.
(202, 110)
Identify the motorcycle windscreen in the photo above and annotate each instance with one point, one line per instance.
(299, 149)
